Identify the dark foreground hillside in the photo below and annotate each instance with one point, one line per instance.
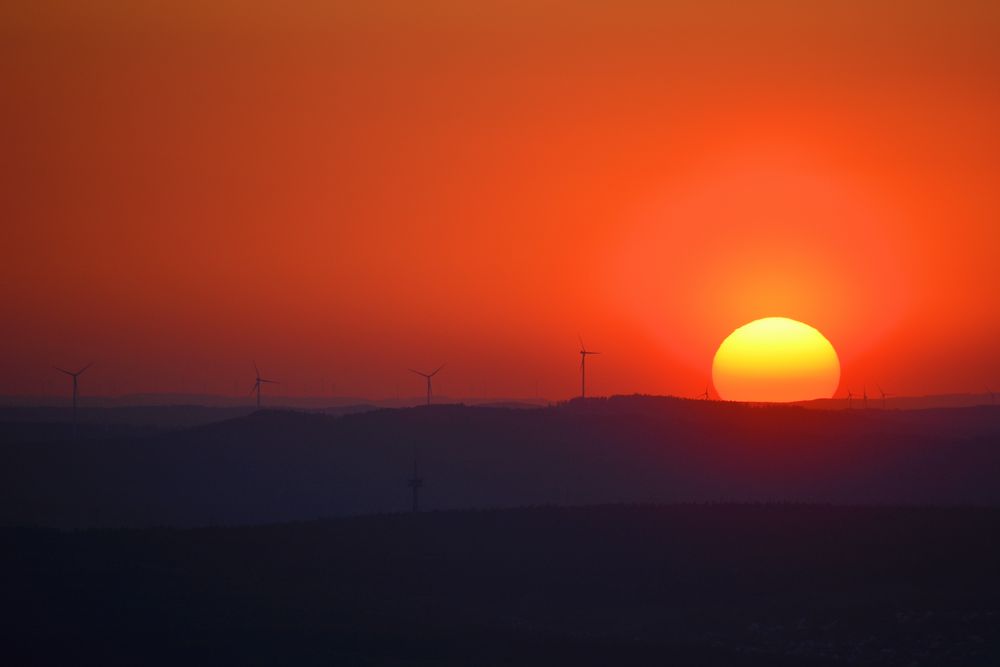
(275, 466)
(610, 585)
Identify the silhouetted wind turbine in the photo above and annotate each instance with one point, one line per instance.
(415, 482)
(993, 397)
(428, 376)
(883, 395)
(583, 367)
(703, 395)
(850, 397)
(864, 395)
(74, 376)
(259, 382)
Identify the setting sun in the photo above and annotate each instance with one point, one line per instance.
(775, 359)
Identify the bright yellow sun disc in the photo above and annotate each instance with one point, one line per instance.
(775, 359)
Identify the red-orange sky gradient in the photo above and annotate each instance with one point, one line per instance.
(344, 190)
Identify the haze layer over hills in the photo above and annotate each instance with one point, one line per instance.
(274, 466)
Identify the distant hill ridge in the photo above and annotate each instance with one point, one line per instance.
(277, 465)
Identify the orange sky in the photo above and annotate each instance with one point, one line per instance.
(343, 192)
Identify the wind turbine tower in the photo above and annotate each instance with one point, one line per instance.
(75, 377)
(415, 483)
(864, 395)
(583, 367)
(259, 382)
(850, 398)
(884, 395)
(428, 377)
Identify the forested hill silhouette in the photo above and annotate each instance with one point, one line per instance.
(38, 423)
(276, 465)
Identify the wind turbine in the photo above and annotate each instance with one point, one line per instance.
(993, 397)
(864, 395)
(74, 376)
(703, 395)
(883, 395)
(259, 382)
(583, 367)
(850, 397)
(415, 482)
(428, 376)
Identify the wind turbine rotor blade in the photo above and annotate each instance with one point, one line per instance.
(418, 373)
(582, 346)
(80, 372)
(255, 369)
(62, 370)
(268, 381)
(436, 370)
